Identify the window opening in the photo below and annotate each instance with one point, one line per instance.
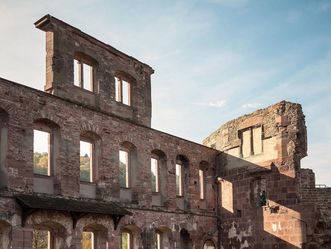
(88, 240)
(251, 141)
(41, 152)
(209, 245)
(122, 89)
(41, 239)
(126, 240)
(83, 75)
(202, 184)
(155, 174)
(86, 161)
(179, 179)
(158, 240)
(124, 168)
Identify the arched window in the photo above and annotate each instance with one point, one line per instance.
(94, 236)
(159, 175)
(90, 144)
(158, 240)
(45, 142)
(126, 239)
(209, 244)
(179, 178)
(5, 235)
(42, 239)
(88, 240)
(203, 166)
(126, 157)
(155, 173)
(181, 181)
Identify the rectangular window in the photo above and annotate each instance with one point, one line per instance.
(83, 75)
(179, 180)
(118, 90)
(126, 92)
(251, 141)
(86, 161)
(202, 184)
(257, 140)
(88, 240)
(124, 168)
(41, 239)
(41, 152)
(77, 73)
(246, 143)
(155, 174)
(126, 240)
(122, 91)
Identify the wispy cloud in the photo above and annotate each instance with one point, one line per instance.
(216, 104)
(251, 105)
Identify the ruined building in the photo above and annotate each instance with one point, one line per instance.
(80, 166)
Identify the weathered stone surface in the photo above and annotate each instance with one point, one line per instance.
(256, 194)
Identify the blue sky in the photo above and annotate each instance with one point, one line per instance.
(214, 59)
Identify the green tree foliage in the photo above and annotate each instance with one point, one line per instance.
(85, 168)
(153, 180)
(125, 240)
(40, 239)
(40, 162)
(123, 174)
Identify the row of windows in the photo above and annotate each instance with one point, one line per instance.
(84, 78)
(42, 239)
(43, 157)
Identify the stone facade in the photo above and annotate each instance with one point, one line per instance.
(254, 194)
(266, 199)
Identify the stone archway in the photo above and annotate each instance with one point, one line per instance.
(185, 240)
(5, 229)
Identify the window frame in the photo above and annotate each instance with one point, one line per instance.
(180, 192)
(81, 61)
(92, 160)
(93, 238)
(158, 234)
(128, 167)
(44, 128)
(202, 184)
(130, 238)
(50, 237)
(251, 140)
(119, 98)
(157, 176)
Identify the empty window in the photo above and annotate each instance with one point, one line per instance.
(124, 168)
(202, 184)
(251, 141)
(88, 240)
(41, 152)
(155, 174)
(122, 89)
(179, 179)
(126, 240)
(209, 245)
(158, 240)
(41, 239)
(83, 75)
(86, 161)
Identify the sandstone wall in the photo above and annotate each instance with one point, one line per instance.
(259, 200)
